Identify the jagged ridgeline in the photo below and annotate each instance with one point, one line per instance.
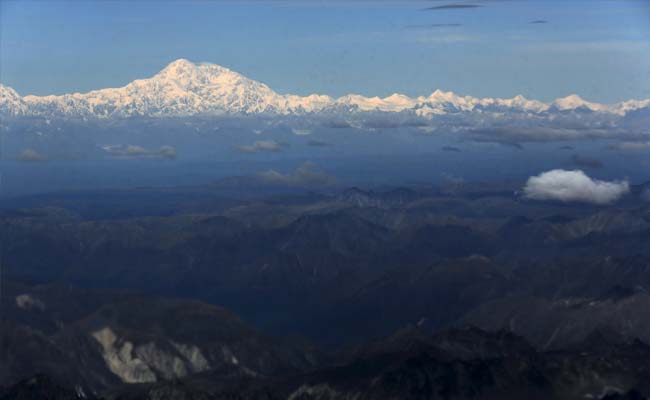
(184, 88)
(416, 292)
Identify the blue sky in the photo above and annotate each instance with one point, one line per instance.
(598, 49)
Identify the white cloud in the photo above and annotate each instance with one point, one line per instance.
(134, 151)
(569, 186)
(262, 145)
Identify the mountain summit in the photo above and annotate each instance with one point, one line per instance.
(184, 88)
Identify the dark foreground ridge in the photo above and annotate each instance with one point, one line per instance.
(466, 363)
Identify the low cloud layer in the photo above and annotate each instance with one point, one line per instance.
(574, 186)
(308, 174)
(384, 121)
(630, 131)
(262, 145)
(133, 151)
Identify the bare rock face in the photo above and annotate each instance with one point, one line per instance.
(121, 359)
(147, 362)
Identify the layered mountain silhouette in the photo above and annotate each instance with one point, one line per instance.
(380, 293)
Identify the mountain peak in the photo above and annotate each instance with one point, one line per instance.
(181, 62)
(571, 101)
(11, 102)
(185, 72)
(572, 98)
(178, 67)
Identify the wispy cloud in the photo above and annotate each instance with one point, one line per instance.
(262, 145)
(134, 151)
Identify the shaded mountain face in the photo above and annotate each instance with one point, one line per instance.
(350, 265)
(466, 363)
(101, 339)
(556, 323)
(42, 387)
(471, 363)
(303, 295)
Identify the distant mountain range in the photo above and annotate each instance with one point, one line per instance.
(184, 88)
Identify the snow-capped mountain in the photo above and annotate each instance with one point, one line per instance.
(184, 88)
(11, 103)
